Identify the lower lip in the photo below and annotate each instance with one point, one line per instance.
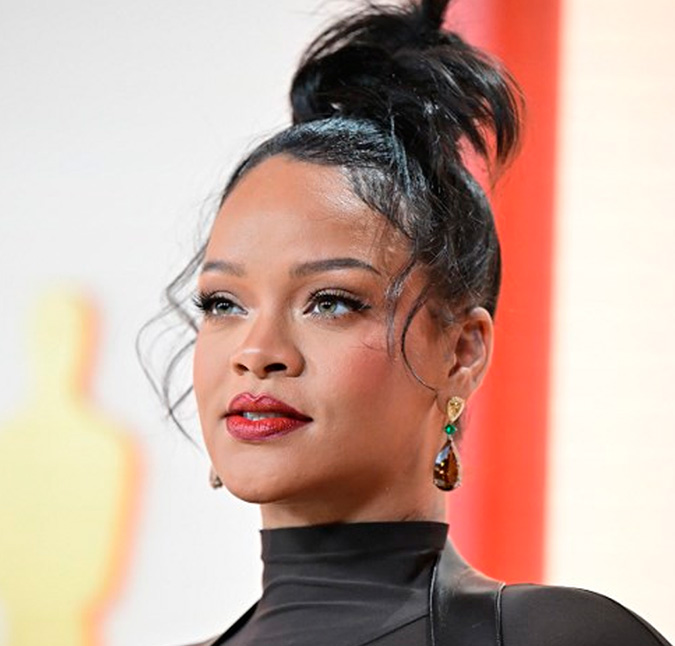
(257, 430)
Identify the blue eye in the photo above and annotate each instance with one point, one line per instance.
(215, 305)
(332, 304)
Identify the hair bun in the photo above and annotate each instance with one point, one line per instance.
(433, 12)
(395, 66)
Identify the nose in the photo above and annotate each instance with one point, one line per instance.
(268, 350)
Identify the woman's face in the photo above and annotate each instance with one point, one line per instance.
(303, 407)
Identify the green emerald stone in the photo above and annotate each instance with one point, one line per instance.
(450, 429)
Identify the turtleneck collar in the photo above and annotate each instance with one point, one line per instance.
(342, 540)
(343, 584)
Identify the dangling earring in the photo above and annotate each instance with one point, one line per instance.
(446, 467)
(214, 479)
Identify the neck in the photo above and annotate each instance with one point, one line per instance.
(382, 509)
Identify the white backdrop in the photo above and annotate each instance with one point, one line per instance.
(118, 123)
(612, 483)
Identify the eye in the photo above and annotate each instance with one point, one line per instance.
(334, 303)
(217, 305)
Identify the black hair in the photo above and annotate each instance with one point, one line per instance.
(399, 104)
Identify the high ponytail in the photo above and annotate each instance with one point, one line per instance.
(394, 65)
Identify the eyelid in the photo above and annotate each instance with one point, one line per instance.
(204, 300)
(354, 302)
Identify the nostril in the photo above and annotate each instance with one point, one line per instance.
(240, 367)
(275, 367)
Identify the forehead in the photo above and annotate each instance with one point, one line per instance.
(288, 207)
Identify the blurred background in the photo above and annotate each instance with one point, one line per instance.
(119, 123)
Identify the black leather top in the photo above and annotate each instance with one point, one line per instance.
(461, 608)
(346, 584)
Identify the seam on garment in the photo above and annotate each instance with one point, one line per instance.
(432, 587)
(381, 635)
(498, 614)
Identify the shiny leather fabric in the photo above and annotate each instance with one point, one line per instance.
(464, 606)
(469, 609)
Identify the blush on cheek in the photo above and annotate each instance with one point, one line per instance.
(364, 375)
(367, 367)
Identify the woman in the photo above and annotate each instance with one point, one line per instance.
(347, 290)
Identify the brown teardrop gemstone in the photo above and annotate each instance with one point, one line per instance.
(446, 467)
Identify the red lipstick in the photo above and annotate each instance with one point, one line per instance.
(254, 418)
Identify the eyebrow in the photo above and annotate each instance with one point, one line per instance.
(303, 269)
(224, 267)
(331, 264)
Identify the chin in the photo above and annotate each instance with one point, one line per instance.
(255, 489)
(255, 495)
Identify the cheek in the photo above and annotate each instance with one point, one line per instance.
(207, 372)
(364, 384)
(379, 395)
(359, 378)
(377, 415)
(351, 357)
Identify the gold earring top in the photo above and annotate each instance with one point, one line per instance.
(454, 408)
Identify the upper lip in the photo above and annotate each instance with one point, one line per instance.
(261, 403)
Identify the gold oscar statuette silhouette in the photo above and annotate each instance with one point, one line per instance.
(68, 483)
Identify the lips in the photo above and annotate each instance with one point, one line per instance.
(261, 417)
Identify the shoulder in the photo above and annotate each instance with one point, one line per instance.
(558, 616)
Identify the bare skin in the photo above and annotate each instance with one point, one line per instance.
(285, 319)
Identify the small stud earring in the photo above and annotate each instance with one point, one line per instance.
(214, 479)
(446, 466)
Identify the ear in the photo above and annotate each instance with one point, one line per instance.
(470, 352)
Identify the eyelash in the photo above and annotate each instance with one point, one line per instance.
(205, 302)
(335, 296)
